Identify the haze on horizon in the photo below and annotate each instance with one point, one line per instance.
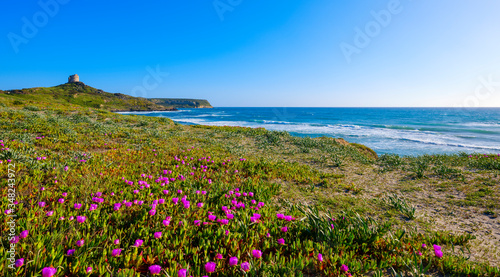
(383, 53)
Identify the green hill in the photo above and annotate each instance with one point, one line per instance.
(86, 96)
(181, 103)
(80, 94)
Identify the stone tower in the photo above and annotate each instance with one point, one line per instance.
(73, 79)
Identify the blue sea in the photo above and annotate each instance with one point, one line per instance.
(403, 131)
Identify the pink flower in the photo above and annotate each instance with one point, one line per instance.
(233, 261)
(80, 242)
(284, 229)
(210, 267)
(116, 252)
(166, 222)
(41, 204)
(138, 243)
(280, 216)
(14, 240)
(116, 241)
(77, 205)
(175, 200)
(24, 234)
(219, 256)
(245, 266)
(437, 251)
(50, 213)
(320, 257)
(155, 269)
(61, 200)
(48, 272)
(182, 272)
(212, 217)
(81, 219)
(281, 241)
(19, 262)
(157, 235)
(344, 268)
(70, 252)
(152, 212)
(89, 269)
(199, 205)
(256, 253)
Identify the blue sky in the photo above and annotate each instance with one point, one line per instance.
(261, 53)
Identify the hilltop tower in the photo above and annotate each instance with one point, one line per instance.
(74, 79)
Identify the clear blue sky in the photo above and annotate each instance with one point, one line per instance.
(260, 53)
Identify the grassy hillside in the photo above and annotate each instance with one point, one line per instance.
(103, 194)
(181, 103)
(82, 95)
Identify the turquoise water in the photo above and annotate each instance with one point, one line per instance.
(403, 131)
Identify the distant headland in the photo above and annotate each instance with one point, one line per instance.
(76, 92)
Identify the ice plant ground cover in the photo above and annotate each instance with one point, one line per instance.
(101, 194)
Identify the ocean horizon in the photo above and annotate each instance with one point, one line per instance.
(406, 131)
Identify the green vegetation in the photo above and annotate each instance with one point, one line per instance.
(86, 96)
(335, 199)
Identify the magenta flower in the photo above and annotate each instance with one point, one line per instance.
(70, 252)
(233, 261)
(320, 257)
(24, 234)
(117, 206)
(210, 267)
(19, 262)
(245, 266)
(281, 241)
(80, 242)
(81, 219)
(50, 213)
(212, 217)
(219, 256)
(166, 222)
(344, 268)
(14, 240)
(175, 200)
(152, 212)
(280, 216)
(77, 205)
(116, 252)
(230, 216)
(117, 241)
(199, 205)
(157, 235)
(64, 194)
(423, 245)
(89, 269)
(61, 200)
(182, 272)
(437, 251)
(138, 243)
(155, 269)
(284, 229)
(256, 253)
(48, 271)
